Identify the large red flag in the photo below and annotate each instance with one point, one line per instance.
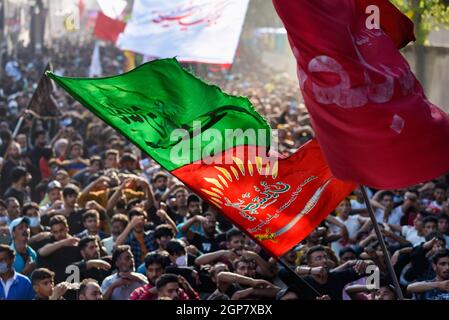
(108, 29)
(277, 202)
(372, 119)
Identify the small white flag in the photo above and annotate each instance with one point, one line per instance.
(95, 69)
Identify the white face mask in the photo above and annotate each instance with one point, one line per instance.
(35, 222)
(181, 261)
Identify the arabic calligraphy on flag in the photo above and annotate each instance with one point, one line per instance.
(192, 30)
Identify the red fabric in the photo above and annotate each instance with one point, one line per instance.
(44, 168)
(277, 208)
(398, 26)
(108, 29)
(372, 119)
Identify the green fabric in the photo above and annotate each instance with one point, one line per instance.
(149, 102)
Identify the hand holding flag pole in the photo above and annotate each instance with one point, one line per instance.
(397, 287)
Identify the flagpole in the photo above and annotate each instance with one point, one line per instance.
(397, 287)
(288, 268)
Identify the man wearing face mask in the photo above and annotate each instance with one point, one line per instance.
(25, 261)
(32, 211)
(13, 285)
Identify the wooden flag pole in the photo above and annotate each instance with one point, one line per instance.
(399, 294)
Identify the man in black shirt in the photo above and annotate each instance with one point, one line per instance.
(208, 242)
(20, 179)
(92, 266)
(319, 276)
(60, 250)
(70, 210)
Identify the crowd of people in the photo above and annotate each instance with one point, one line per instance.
(85, 215)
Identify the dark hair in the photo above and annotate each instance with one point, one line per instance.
(443, 217)
(120, 217)
(441, 186)
(18, 173)
(346, 250)
(57, 220)
(192, 198)
(163, 230)
(132, 203)
(85, 241)
(430, 219)
(118, 252)
(9, 200)
(92, 213)
(236, 262)
(165, 279)
(41, 274)
(3, 203)
(444, 253)
(156, 258)
(84, 284)
(8, 250)
(69, 190)
(111, 151)
(136, 212)
(233, 233)
(38, 133)
(175, 246)
(128, 157)
(386, 193)
(314, 249)
(29, 205)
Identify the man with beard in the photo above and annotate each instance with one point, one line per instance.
(25, 261)
(92, 266)
(12, 208)
(193, 224)
(438, 288)
(328, 283)
(208, 242)
(60, 250)
(18, 189)
(121, 284)
(89, 290)
(13, 158)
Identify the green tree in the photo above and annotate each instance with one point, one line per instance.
(427, 15)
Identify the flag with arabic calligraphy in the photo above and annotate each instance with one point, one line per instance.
(372, 119)
(192, 30)
(217, 145)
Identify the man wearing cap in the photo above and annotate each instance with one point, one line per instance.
(25, 260)
(13, 285)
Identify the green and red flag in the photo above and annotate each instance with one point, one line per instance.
(219, 146)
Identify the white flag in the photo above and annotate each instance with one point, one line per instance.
(95, 69)
(191, 30)
(112, 8)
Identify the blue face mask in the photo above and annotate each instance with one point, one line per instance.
(35, 222)
(3, 267)
(3, 219)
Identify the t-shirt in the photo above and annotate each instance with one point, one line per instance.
(394, 218)
(59, 260)
(93, 273)
(205, 245)
(123, 292)
(21, 196)
(75, 221)
(20, 260)
(411, 235)
(434, 294)
(355, 205)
